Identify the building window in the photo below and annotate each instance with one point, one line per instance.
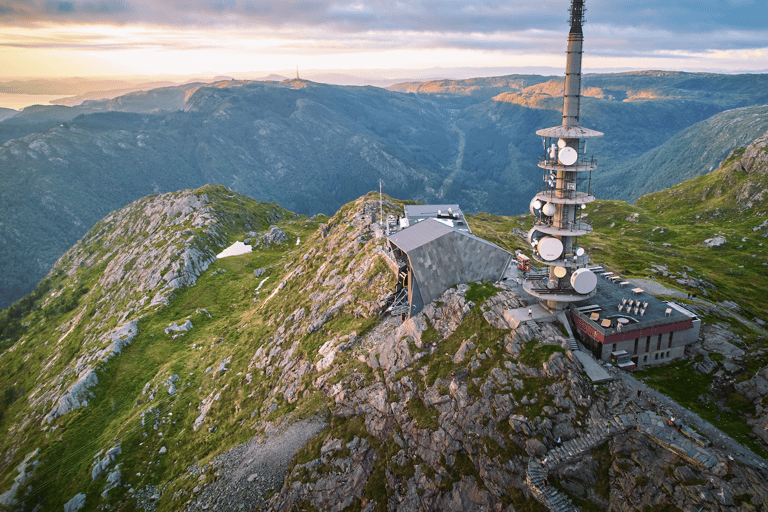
(658, 343)
(670, 340)
(637, 340)
(667, 354)
(656, 356)
(645, 359)
(648, 344)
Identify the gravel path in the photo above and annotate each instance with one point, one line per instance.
(249, 471)
(650, 398)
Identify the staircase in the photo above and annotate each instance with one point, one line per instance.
(566, 453)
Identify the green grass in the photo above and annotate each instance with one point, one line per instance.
(426, 417)
(480, 292)
(535, 354)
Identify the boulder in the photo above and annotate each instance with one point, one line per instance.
(535, 448)
(714, 242)
(75, 503)
(274, 236)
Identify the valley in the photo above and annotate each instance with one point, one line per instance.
(313, 147)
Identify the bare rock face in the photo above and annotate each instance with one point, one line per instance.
(717, 338)
(755, 158)
(756, 387)
(75, 504)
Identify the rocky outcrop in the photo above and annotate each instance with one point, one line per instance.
(714, 242)
(755, 158)
(75, 397)
(75, 504)
(143, 253)
(8, 498)
(275, 235)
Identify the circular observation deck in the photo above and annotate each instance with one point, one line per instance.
(580, 166)
(565, 197)
(578, 228)
(538, 289)
(569, 132)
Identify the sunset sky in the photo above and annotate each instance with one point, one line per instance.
(142, 37)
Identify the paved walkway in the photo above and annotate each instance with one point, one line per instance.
(592, 368)
(533, 313)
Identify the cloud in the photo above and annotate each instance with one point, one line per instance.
(619, 28)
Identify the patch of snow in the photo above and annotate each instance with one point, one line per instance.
(262, 283)
(236, 249)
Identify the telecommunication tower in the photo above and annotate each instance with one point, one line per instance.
(564, 193)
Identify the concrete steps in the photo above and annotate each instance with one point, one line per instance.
(567, 452)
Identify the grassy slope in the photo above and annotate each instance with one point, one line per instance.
(237, 327)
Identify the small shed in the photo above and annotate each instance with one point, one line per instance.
(432, 257)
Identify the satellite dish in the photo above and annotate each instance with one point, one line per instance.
(560, 272)
(580, 251)
(568, 156)
(583, 207)
(550, 248)
(534, 236)
(549, 209)
(535, 207)
(583, 281)
(561, 143)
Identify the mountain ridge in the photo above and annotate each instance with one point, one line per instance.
(312, 147)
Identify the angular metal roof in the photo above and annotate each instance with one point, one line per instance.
(419, 234)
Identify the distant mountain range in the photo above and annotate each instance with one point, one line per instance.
(312, 147)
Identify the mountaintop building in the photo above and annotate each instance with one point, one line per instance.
(623, 324)
(432, 255)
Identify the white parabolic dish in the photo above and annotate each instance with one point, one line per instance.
(568, 156)
(583, 281)
(550, 248)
